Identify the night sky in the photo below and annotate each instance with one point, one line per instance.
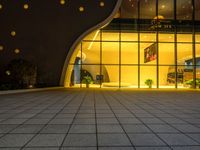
(42, 31)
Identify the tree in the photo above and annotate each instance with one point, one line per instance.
(22, 73)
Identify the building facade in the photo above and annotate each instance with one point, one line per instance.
(156, 41)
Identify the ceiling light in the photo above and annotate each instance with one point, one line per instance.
(62, 2)
(102, 4)
(13, 33)
(1, 47)
(26, 6)
(81, 9)
(17, 51)
(8, 72)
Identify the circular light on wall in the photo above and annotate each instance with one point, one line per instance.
(81, 9)
(1, 48)
(17, 51)
(62, 2)
(102, 4)
(8, 73)
(1, 6)
(13, 33)
(26, 6)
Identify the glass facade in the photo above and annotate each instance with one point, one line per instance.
(149, 39)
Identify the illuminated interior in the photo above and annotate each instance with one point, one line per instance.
(120, 55)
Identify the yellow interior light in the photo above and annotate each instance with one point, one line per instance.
(95, 36)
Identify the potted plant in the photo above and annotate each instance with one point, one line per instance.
(149, 82)
(87, 80)
(191, 83)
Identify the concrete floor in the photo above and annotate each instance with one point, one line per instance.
(74, 119)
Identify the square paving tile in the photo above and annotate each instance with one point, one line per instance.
(107, 121)
(82, 129)
(186, 148)
(44, 116)
(113, 140)
(79, 148)
(15, 140)
(110, 115)
(162, 128)
(107, 128)
(152, 121)
(9, 148)
(26, 128)
(195, 137)
(37, 121)
(174, 121)
(153, 148)
(24, 115)
(42, 140)
(116, 148)
(51, 128)
(177, 139)
(61, 121)
(80, 140)
(187, 128)
(146, 140)
(84, 121)
(13, 121)
(40, 148)
(6, 128)
(124, 120)
(136, 128)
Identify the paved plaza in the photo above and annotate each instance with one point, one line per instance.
(94, 119)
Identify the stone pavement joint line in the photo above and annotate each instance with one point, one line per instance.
(98, 119)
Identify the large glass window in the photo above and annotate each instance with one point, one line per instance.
(184, 37)
(129, 76)
(166, 50)
(146, 73)
(110, 52)
(197, 9)
(165, 37)
(198, 63)
(130, 52)
(112, 76)
(166, 8)
(90, 52)
(129, 9)
(184, 9)
(167, 77)
(147, 9)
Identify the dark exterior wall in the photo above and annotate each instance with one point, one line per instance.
(46, 32)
